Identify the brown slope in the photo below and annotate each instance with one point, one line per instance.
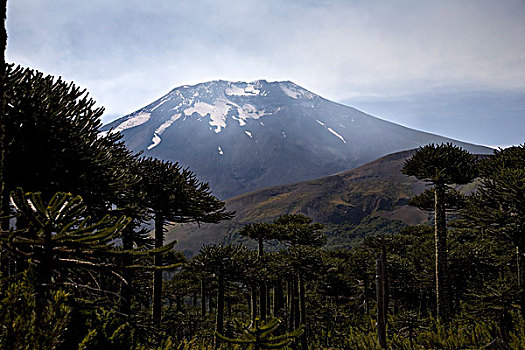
(375, 189)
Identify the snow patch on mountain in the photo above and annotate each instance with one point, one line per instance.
(336, 134)
(155, 141)
(331, 130)
(294, 91)
(236, 90)
(217, 112)
(136, 120)
(220, 150)
(248, 133)
(156, 134)
(167, 124)
(249, 111)
(240, 120)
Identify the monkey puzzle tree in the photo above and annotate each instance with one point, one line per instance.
(174, 195)
(223, 263)
(60, 241)
(303, 235)
(298, 229)
(258, 335)
(260, 232)
(442, 165)
(498, 206)
(53, 142)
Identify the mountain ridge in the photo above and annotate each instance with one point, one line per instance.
(240, 136)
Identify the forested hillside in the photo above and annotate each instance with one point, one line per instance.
(79, 271)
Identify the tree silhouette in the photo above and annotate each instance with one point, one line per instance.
(174, 195)
(442, 165)
(223, 263)
(498, 206)
(53, 143)
(260, 232)
(303, 235)
(60, 241)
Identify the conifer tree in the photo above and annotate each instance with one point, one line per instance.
(60, 241)
(174, 195)
(303, 235)
(498, 206)
(224, 264)
(260, 232)
(260, 336)
(53, 142)
(441, 165)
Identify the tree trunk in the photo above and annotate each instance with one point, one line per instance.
(385, 282)
(211, 304)
(442, 301)
(260, 246)
(380, 295)
(45, 269)
(125, 287)
(268, 290)
(297, 312)
(521, 277)
(302, 301)
(2, 102)
(157, 274)
(290, 303)
(365, 300)
(254, 303)
(262, 285)
(219, 322)
(178, 301)
(262, 293)
(277, 298)
(203, 297)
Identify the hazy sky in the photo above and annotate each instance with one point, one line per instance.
(455, 68)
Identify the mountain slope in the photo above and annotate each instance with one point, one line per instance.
(377, 189)
(243, 136)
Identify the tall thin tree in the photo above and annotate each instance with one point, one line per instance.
(174, 195)
(442, 165)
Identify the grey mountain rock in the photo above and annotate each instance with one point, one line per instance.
(242, 136)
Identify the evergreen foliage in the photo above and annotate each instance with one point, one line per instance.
(174, 195)
(26, 325)
(442, 165)
(259, 336)
(59, 241)
(498, 207)
(53, 143)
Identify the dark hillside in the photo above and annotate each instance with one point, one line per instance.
(375, 193)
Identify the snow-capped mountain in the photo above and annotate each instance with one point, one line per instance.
(242, 136)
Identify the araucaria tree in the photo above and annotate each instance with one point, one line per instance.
(498, 206)
(60, 242)
(174, 195)
(52, 142)
(260, 232)
(442, 165)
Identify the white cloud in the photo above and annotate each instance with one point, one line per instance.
(128, 53)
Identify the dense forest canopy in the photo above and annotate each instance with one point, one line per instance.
(78, 269)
